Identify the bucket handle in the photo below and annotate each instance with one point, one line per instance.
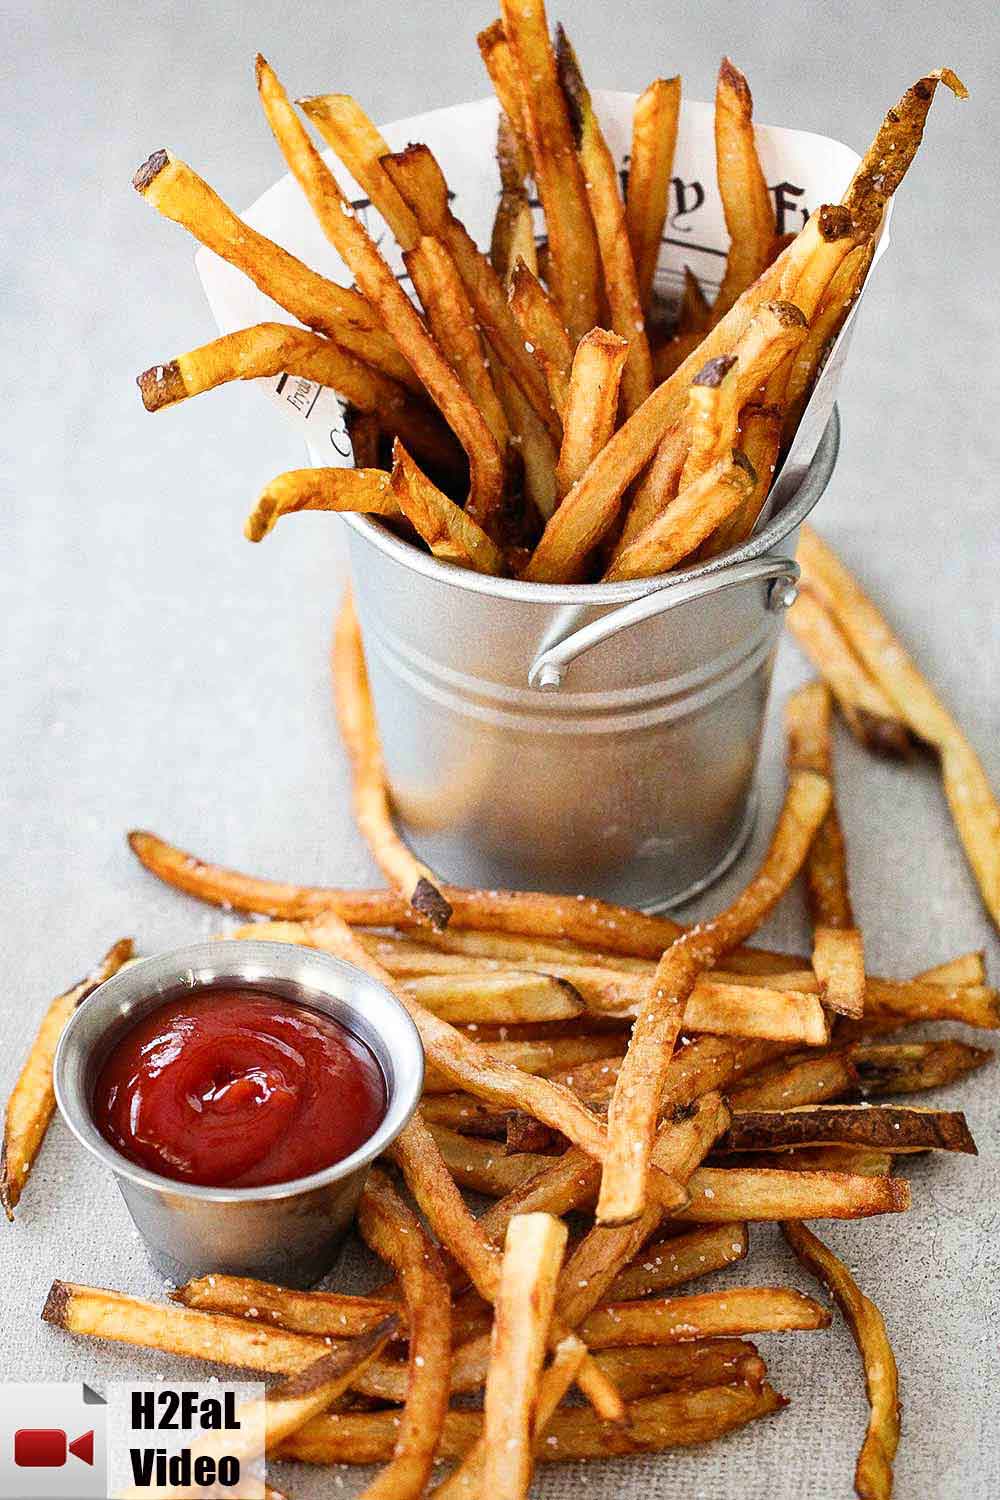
(781, 573)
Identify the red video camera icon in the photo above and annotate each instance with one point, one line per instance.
(48, 1448)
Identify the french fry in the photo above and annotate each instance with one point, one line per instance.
(683, 1367)
(510, 998)
(525, 1302)
(178, 193)
(677, 1419)
(884, 1129)
(654, 491)
(792, 1082)
(397, 1236)
(724, 1195)
(726, 1314)
(574, 269)
(760, 441)
(868, 712)
(600, 180)
(974, 1004)
(448, 530)
(908, 1067)
(683, 526)
(418, 177)
(632, 1113)
(591, 409)
(544, 332)
(356, 718)
(275, 348)
(364, 490)
(365, 435)
(360, 145)
(484, 1166)
(267, 1423)
(665, 1264)
(873, 1475)
(317, 1313)
(838, 950)
(746, 201)
(844, 289)
(972, 802)
(530, 435)
(859, 1161)
(349, 238)
(494, 49)
(32, 1101)
(547, 1057)
(654, 139)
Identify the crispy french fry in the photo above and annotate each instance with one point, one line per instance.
(398, 1237)
(844, 289)
(908, 1067)
(344, 125)
(418, 177)
(665, 1264)
(525, 1301)
(676, 1419)
(873, 1475)
(544, 332)
(510, 998)
(601, 184)
(683, 1367)
(838, 950)
(868, 712)
(683, 526)
(657, 487)
(862, 1161)
(885, 1129)
(318, 1313)
(448, 530)
(746, 201)
(760, 440)
(971, 800)
(349, 238)
(365, 490)
(789, 1083)
(494, 49)
(356, 718)
(530, 435)
(632, 1113)
(345, 316)
(735, 1311)
(365, 435)
(513, 234)
(654, 139)
(720, 1195)
(32, 1101)
(483, 1166)
(591, 409)
(574, 269)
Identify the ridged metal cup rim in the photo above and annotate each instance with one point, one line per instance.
(307, 977)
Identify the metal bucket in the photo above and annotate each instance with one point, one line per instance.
(597, 737)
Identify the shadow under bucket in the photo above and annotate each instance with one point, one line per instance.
(596, 737)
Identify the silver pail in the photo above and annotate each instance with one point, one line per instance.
(597, 737)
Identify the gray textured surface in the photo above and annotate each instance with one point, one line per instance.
(161, 672)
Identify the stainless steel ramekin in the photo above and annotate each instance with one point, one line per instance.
(289, 1232)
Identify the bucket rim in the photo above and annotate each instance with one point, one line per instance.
(788, 519)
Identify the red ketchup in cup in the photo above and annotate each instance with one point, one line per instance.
(238, 1088)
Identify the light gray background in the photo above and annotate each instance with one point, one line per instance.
(160, 672)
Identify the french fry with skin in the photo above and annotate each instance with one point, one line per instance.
(632, 1113)
(498, 59)
(318, 1313)
(880, 1128)
(669, 1263)
(600, 180)
(873, 1474)
(844, 289)
(513, 234)
(32, 1101)
(760, 441)
(356, 718)
(361, 490)
(683, 1367)
(727, 1314)
(525, 1301)
(746, 201)
(418, 178)
(574, 260)
(654, 139)
(344, 315)
(544, 331)
(397, 1236)
(591, 409)
(275, 348)
(687, 521)
(908, 1067)
(867, 711)
(971, 800)
(349, 238)
(450, 532)
(838, 949)
(360, 145)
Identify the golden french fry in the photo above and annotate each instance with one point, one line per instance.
(494, 49)
(356, 718)
(539, 453)
(665, 1264)
(908, 1067)
(687, 521)
(724, 1194)
(654, 139)
(319, 1313)
(737, 1310)
(844, 289)
(591, 408)
(657, 487)
(366, 490)
(786, 1084)
(971, 800)
(760, 441)
(544, 332)
(600, 180)
(360, 145)
(746, 201)
(574, 263)
(511, 998)
(867, 710)
(449, 531)
(349, 238)
(884, 1129)
(345, 316)
(32, 1101)
(873, 1475)
(683, 1367)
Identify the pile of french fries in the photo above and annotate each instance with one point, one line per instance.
(667, 1087)
(539, 412)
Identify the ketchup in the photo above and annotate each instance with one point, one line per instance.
(238, 1088)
